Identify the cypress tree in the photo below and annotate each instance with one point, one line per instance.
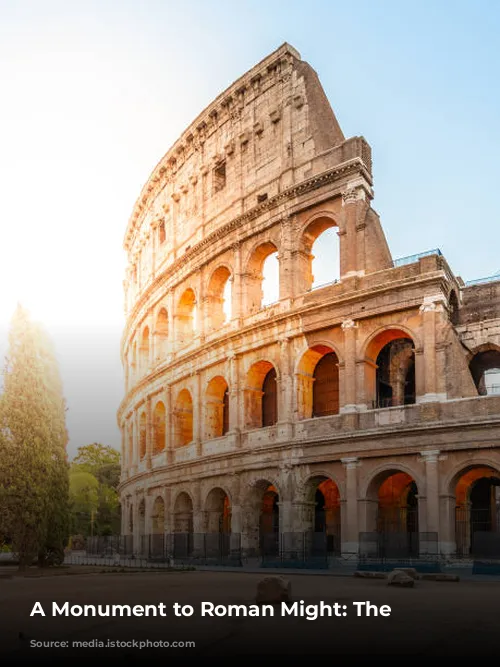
(33, 466)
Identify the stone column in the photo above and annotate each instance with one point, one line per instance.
(428, 311)
(198, 522)
(350, 529)
(348, 390)
(236, 518)
(447, 524)
(431, 459)
(237, 288)
(197, 414)
(234, 398)
(355, 201)
(285, 256)
(169, 435)
(149, 433)
(285, 389)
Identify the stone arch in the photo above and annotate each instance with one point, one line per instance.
(261, 517)
(217, 511)
(255, 275)
(315, 227)
(321, 514)
(159, 427)
(183, 419)
(216, 408)
(476, 488)
(390, 377)
(261, 396)
(484, 367)
(161, 334)
(144, 350)
(318, 382)
(142, 435)
(186, 316)
(219, 297)
(393, 511)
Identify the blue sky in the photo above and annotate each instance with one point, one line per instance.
(94, 93)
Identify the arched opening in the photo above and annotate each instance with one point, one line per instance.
(159, 431)
(326, 386)
(216, 408)
(393, 382)
(321, 520)
(477, 513)
(142, 435)
(219, 301)
(396, 519)
(144, 350)
(318, 383)
(269, 399)
(131, 520)
(485, 370)
(261, 400)
(453, 307)
(269, 524)
(161, 335)
(262, 277)
(183, 526)
(186, 317)
(183, 419)
(320, 255)
(217, 524)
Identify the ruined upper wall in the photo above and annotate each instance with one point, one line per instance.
(480, 302)
(272, 128)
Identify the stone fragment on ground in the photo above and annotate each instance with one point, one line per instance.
(399, 578)
(410, 571)
(273, 590)
(369, 574)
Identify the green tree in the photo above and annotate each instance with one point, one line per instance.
(84, 500)
(33, 468)
(52, 552)
(103, 463)
(96, 457)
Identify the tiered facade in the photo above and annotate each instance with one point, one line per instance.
(363, 415)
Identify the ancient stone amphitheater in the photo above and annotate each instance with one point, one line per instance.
(359, 417)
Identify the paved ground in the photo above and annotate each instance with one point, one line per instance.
(434, 619)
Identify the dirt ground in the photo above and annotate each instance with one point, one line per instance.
(433, 619)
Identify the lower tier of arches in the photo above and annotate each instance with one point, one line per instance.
(424, 504)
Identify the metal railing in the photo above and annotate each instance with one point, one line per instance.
(392, 402)
(482, 281)
(411, 259)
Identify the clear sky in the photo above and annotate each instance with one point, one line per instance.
(94, 93)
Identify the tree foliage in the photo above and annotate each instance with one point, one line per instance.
(102, 463)
(33, 465)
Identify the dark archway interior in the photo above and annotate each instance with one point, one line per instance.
(326, 386)
(269, 399)
(396, 374)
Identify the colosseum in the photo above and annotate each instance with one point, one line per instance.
(357, 418)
